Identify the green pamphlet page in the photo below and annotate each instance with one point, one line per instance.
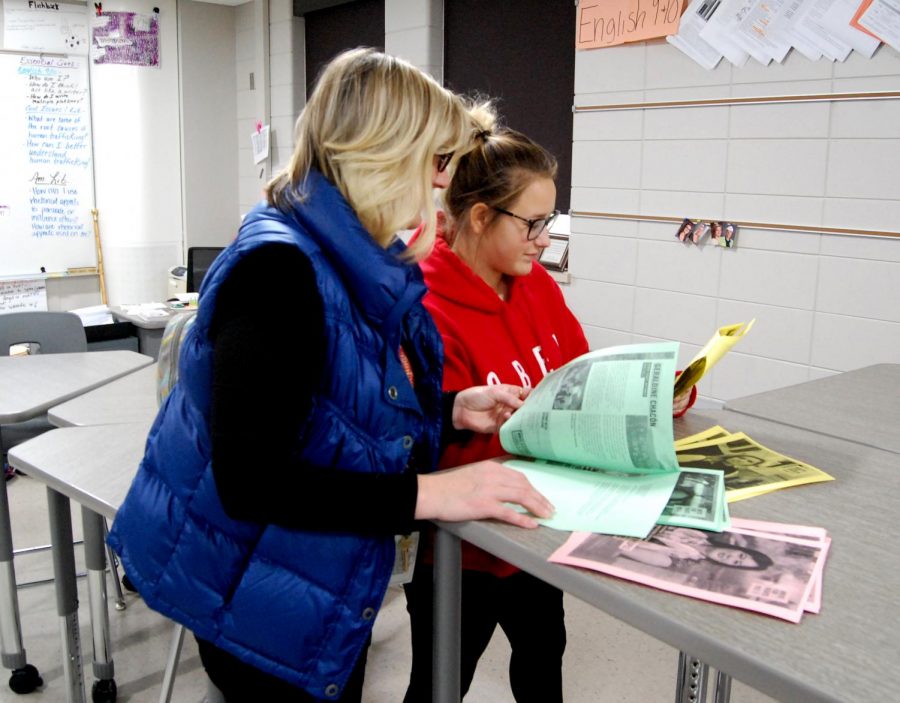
(598, 432)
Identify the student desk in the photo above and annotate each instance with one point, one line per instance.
(29, 386)
(131, 398)
(847, 653)
(861, 406)
(94, 465)
(150, 330)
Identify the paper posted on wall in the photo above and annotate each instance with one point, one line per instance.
(766, 567)
(688, 39)
(812, 27)
(259, 141)
(23, 296)
(882, 18)
(721, 23)
(756, 33)
(599, 435)
(837, 20)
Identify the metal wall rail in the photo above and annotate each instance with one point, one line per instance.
(759, 100)
(806, 229)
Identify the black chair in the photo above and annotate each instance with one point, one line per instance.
(198, 262)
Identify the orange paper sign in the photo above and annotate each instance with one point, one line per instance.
(610, 22)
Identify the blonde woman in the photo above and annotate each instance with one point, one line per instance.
(309, 403)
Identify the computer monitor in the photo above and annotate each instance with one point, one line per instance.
(198, 263)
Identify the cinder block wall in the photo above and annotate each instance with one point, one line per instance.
(414, 29)
(287, 90)
(824, 303)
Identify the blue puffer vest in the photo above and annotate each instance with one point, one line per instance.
(295, 604)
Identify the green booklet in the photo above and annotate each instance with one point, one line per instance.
(597, 440)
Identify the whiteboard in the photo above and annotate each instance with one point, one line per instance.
(46, 182)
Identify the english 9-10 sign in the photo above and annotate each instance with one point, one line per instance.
(610, 22)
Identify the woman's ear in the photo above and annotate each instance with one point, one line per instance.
(480, 217)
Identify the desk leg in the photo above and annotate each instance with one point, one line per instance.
(104, 688)
(692, 676)
(722, 692)
(66, 593)
(165, 692)
(445, 661)
(25, 677)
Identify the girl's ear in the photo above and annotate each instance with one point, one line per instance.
(480, 216)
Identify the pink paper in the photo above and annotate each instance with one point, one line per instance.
(755, 570)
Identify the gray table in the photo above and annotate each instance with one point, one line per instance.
(129, 399)
(150, 330)
(861, 406)
(29, 386)
(847, 653)
(93, 465)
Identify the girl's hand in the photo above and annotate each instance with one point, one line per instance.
(680, 403)
(479, 491)
(484, 408)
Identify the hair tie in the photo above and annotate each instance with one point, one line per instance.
(483, 135)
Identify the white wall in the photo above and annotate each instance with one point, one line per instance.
(269, 43)
(823, 303)
(287, 78)
(137, 164)
(153, 199)
(209, 142)
(414, 30)
(250, 180)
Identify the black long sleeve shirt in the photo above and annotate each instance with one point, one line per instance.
(268, 337)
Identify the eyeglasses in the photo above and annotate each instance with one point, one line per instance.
(535, 227)
(443, 161)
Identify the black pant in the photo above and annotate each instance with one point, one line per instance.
(243, 683)
(529, 611)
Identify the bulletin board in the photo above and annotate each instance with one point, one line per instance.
(46, 183)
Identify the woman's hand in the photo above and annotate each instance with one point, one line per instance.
(484, 408)
(478, 491)
(681, 402)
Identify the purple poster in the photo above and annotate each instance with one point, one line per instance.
(125, 38)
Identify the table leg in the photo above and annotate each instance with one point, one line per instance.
(104, 688)
(165, 692)
(722, 692)
(692, 676)
(66, 593)
(117, 584)
(25, 677)
(445, 662)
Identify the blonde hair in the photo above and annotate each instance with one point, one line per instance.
(501, 165)
(372, 127)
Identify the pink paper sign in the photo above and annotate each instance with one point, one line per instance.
(602, 23)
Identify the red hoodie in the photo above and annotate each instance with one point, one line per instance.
(488, 340)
